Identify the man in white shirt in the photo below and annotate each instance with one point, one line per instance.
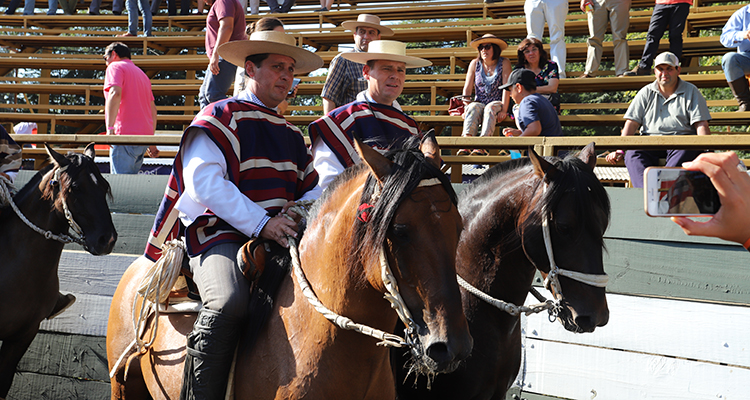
(239, 167)
(375, 117)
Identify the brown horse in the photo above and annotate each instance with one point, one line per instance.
(301, 354)
(28, 273)
(504, 213)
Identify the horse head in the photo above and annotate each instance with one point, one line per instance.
(576, 209)
(413, 215)
(79, 192)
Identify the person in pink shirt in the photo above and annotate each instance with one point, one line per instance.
(129, 108)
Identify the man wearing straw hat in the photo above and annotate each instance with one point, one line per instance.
(345, 79)
(374, 117)
(239, 166)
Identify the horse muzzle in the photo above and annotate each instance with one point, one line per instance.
(102, 245)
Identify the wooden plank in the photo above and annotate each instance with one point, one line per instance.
(702, 332)
(581, 372)
(83, 273)
(30, 386)
(87, 316)
(71, 356)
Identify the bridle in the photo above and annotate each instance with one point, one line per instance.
(551, 282)
(78, 236)
(392, 294)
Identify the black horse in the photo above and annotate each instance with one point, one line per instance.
(504, 213)
(29, 286)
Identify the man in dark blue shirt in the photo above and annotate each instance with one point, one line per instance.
(534, 114)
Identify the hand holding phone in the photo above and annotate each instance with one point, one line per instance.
(732, 221)
(673, 191)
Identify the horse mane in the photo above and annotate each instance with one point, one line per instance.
(409, 168)
(78, 164)
(572, 176)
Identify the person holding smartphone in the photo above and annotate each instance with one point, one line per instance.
(732, 221)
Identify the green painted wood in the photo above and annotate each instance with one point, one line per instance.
(135, 194)
(132, 233)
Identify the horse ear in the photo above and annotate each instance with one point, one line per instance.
(380, 166)
(58, 158)
(588, 155)
(430, 148)
(89, 151)
(542, 168)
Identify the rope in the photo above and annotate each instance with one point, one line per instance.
(6, 187)
(510, 308)
(386, 339)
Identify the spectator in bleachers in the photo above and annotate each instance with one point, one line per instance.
(535, 115)
(129, 108)
(374, 115)
(171, 7)
(484, 76)
(344, 78)
(28, 7)
(10, 157)
(672, 13)
(554, 12)
(240, 80)
(667, 106)
(736, 65)
(117, 6)
(618, 12)
(134, 6)
(325, 5)
(532, 56)
(285, 7)
(225, 23)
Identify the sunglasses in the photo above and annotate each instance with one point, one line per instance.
(485, 46)
(106, 57)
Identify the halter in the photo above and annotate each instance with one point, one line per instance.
(389, 281)
(79, 237)
(551, 282)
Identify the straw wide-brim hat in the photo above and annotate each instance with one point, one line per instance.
(370, 21)
(489, 38)
(272, 42)
(387, 50)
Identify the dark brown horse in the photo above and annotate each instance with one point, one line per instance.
(300, 353)
(501, 247)
(28, 271)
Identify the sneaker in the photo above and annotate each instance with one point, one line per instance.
(463, 152)
(322, 9)
(479, 152)
(638, 71)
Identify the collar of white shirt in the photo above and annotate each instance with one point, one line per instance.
(251, 97)
(365, 96)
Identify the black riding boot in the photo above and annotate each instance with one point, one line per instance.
(210, 349)
(741, 92)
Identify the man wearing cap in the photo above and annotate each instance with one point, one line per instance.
(668, 106)
(375, 117)
(239, 167)
(736, 65)
(344, 78)
(535, 115)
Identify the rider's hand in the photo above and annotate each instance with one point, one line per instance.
(278, 227)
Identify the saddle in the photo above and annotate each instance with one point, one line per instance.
(184, 295)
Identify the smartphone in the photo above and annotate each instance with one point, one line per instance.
(671, 191)
(295, 82)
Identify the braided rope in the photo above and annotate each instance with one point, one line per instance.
(510, 308)
(386, 339)
(6, 187)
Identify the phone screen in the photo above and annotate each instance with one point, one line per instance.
(676, 191)
(295, 82)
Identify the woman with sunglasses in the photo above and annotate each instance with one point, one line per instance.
(532, 56)
(485, 75)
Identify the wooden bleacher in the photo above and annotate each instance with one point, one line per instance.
(177, 45)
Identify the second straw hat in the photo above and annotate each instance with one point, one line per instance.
(370, 21)
(272, 42)
(388, 50)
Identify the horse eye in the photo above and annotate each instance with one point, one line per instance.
(401, 231)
